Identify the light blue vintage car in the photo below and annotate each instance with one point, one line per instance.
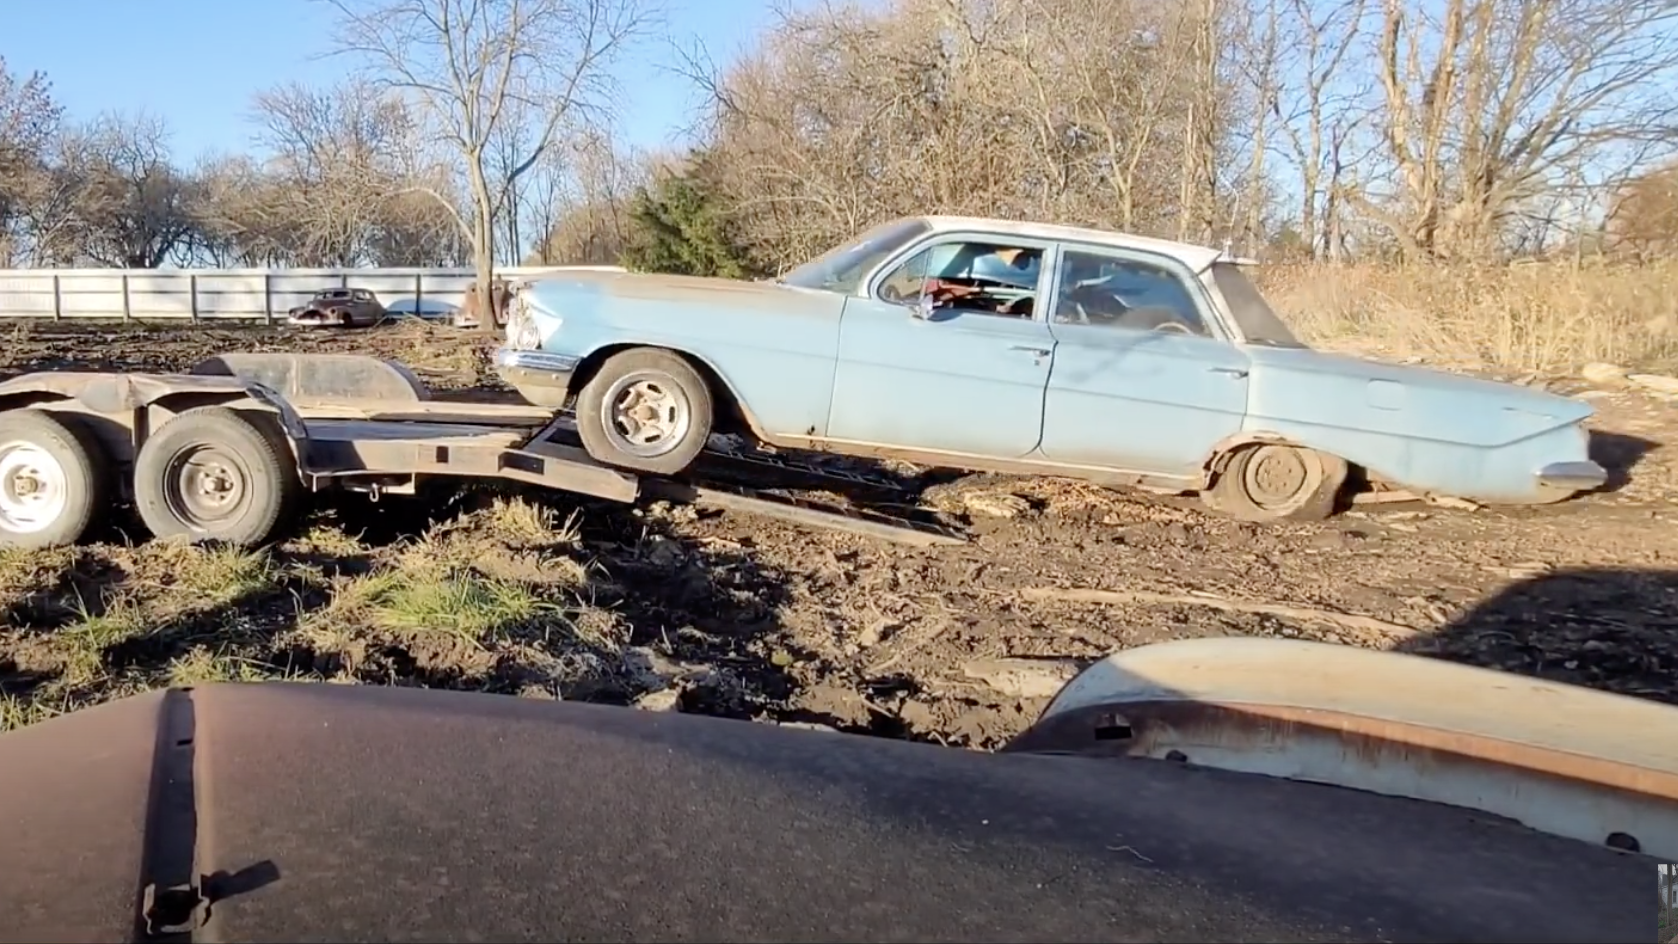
(1027, 348)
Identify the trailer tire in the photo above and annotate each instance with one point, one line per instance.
(66, 481)
(241, 486)
(672, 403)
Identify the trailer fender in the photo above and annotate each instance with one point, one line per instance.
(331, 378)
(120, 394)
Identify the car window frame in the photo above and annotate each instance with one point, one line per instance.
(1206, 307)
(1047, 268)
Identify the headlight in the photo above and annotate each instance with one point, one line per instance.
(526, 337)
(522, 334)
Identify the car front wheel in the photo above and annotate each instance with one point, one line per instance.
(645, 409)
(1277, 482)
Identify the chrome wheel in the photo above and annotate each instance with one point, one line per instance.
(33, 488)
(646, 414)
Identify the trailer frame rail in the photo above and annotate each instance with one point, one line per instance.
(360, 423)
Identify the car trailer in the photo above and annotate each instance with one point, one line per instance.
(227, 451)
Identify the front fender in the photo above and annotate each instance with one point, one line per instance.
(778, 362)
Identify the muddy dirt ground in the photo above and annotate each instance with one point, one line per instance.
(667, 608)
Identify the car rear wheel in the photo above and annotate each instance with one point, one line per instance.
(645, 409)
(1277, 482)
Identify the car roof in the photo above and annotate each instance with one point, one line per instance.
(357, 813)
(1189, 254)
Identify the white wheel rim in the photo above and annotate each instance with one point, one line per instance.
(646, 414)
(32, 488)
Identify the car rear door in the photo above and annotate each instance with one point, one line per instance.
(1145, 378)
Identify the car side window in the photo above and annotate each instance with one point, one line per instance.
(969, 277)
(1109, 291)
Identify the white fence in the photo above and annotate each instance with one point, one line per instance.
(223, 294)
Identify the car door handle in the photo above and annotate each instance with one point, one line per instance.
(1029, 349)
(1235, 373)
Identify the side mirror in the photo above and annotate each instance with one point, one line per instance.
(923, 307)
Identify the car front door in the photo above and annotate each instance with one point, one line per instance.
(967, 380)
(1144, 377)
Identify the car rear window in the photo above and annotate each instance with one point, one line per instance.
(1258, 322)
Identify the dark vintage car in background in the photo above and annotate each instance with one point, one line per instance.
(339, 307)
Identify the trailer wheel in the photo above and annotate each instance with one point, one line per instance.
(215, 474)
(52, 483)
(645, 409)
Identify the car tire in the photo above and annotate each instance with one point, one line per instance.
(645, 409)
(243, 487)
(1277, 482)
(68, 485)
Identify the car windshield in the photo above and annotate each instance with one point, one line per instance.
(1258, 322)
(841, 268)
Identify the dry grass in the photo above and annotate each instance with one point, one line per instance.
(1537, 317)
(499, 598)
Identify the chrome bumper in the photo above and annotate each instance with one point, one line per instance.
(1581, 476)
(535, 368)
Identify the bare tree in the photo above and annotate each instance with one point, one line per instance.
(1316, 42)
(472, 67)
(1643, 217)
(130, 204)
(1486, 102)
(586, 217)
(29, 119)
(341, 174)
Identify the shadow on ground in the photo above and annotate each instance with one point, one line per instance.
(1619, 453)
(1610, 629)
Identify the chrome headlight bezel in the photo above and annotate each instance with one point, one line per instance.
(522, 331)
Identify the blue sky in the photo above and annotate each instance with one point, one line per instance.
(198, 62)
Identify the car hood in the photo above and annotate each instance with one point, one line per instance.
(683, 290)
(1427, 382)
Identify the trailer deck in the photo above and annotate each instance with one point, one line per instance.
(364, 424)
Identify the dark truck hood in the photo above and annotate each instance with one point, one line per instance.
(340, 813)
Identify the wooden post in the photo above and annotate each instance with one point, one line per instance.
(127, 303)
(57, 299)
(192, 287)
(267, 297)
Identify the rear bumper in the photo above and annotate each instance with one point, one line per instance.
(535, 368)
(317, 319)
(1577, 476)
